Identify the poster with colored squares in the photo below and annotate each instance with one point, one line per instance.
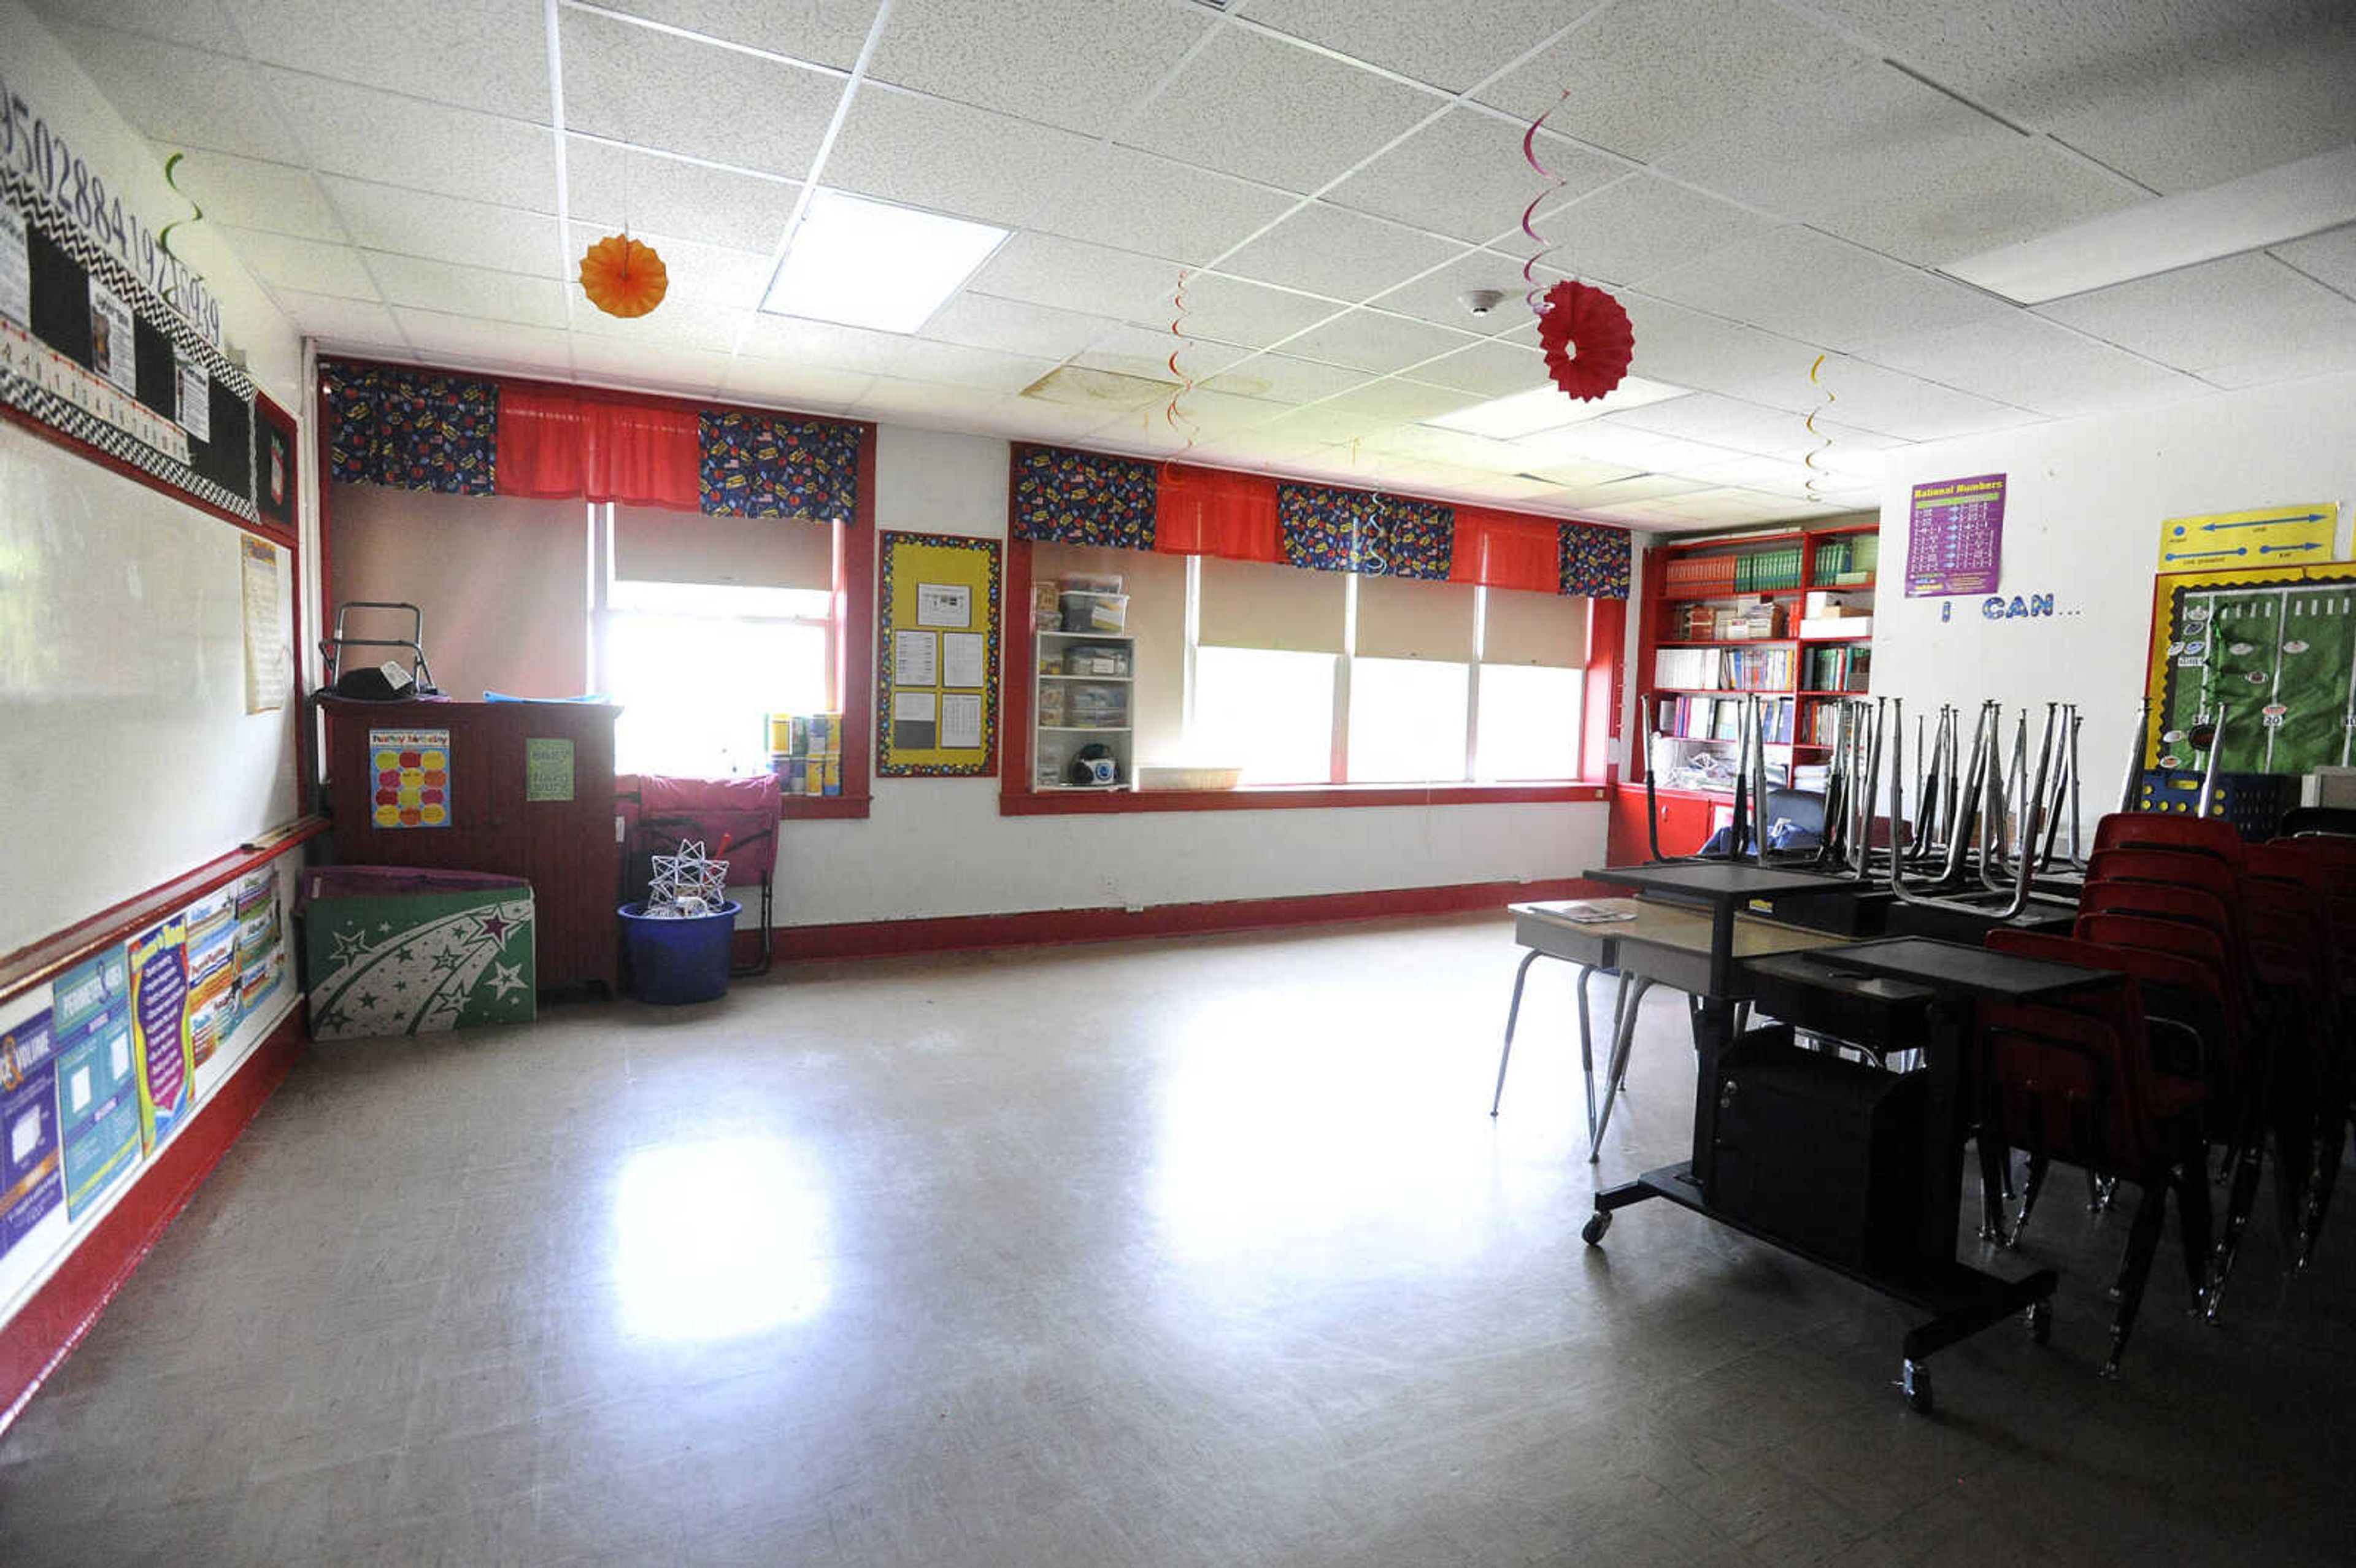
(2272, 655)
(413, 777)
(159, 1029)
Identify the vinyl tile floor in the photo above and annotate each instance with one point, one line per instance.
(1202, 1251)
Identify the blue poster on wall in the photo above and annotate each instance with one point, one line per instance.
(31, 1185)
(98, 1084)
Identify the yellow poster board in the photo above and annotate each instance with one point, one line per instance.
(2272, 650)
(2268, 536)
(936, 653)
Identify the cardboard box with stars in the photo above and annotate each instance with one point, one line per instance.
(396, 951)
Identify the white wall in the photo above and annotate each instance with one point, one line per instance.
(2083, 505)
(938, 846)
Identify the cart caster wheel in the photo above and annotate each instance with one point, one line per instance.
(1915, 1378)
(1593, 1231)
(2040, 1318)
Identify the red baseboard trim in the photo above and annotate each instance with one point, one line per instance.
(959, 934)
(67, 1304)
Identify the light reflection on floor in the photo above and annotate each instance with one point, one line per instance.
(719, 1239)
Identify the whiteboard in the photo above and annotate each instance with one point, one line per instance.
(127, 754)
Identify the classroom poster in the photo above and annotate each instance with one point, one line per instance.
(1955, 543)
(15, 269)
(97, 1087)
(31, 1184)
(113, 342)
(193, 404)
(937, 685)
(269, 661)
(2271, 536)
(413, 777)
(260, 941)
(212, 974)
(159, 1029)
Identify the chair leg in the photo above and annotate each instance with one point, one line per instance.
(1513, 1016)
(1995, 1155)
(2032, 1185)
(1587, 1047)
(2247, 1158)
(2322, 1177)
(1624, 1038)
(2143, 1241)
(2192, 1221)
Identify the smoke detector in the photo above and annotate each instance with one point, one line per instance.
(1481, 301)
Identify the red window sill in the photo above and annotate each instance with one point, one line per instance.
(1289, 797)
(814, 807)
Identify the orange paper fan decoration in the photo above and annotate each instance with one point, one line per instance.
(623, 276)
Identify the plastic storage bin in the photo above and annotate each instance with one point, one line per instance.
(675, 960)
(1096, 612)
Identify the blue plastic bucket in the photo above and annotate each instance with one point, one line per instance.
(677, 959)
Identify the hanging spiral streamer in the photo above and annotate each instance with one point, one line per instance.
(1555, 182)
(1177, 417)
(164, 236)
(1817, 474)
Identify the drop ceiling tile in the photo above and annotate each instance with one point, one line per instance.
(422, 223)
(1343, 255)
(1012, 327)
(656, 367)
(468, 341)
(952, 364)
(1620, 491)
(1436, 44)
(307, 265)
(2330, 258)
(347, 324)
(1375, 341)
(1643, 225)
(1395, 401)
(1490, 368)
(171, 21)
(1270, 111)
(2300, 365)
(1144, 351)
(613, 187)
(1431, 444)
(1279, 378)
(491, 57)
(1202, 415)
(788, 384)
(2176, 97)
(1686, 348)
(948, 158)
(245, 193)
(1646, 78)
(1606, 441)
(359, 131)
(1439, 298)
(1228, 309)
(2228, 312)
(824, 32)
(1040, 269)
(1868, 398)
(1718, 420)
(1118, 195)
(1779, 476)
(1323, 423)
(510, 297)
(893, 400)
(182, 96)
(1820, 290)
(1463, 175)
(654, 90)
(1079, 64)
(699, 274)
(673, 325)
(2032, 363)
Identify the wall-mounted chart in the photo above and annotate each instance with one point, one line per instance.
(2270, 536)
(937, 687)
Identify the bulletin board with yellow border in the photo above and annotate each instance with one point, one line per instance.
(936, 652)
(2273, 649)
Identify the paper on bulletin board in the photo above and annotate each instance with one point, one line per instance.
(915, 659)
(944, 604)
(15, 269)
(159, 1029)
(960, 720)
(194, 406)
(964, 659)
(269, 662)
(2270, 536)
(113, 342)
(915, 724)
(97, 1087)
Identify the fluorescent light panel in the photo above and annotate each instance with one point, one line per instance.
(870, 264)
(2272, 206)
(1550, 408)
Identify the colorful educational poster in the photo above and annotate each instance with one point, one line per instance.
(413, 777)
(114, 344)
(260, 942)
(15, 269)
(98, 1086)
(31, 1182)
(2271, 536)
(159, 1029)
(1955, 543)
(212, 974)
(546, 767)
(2269, 657)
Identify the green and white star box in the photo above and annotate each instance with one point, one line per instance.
(394, 951)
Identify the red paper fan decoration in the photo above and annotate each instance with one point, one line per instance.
(1586, 338)
(624, 276)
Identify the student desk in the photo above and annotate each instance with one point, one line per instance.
(1911, 992)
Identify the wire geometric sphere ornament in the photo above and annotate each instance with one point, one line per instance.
(1586, 338)
(623, 276)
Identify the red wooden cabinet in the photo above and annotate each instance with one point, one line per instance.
(1687, 819)
(499, 757)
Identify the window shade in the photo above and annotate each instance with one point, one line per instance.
(1402, 619)
(1248, 605)
(1535, 629)
(656, 545)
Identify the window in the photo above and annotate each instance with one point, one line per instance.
(1528, 723)
(705, 626)
(1267, 711)
(1407, 721)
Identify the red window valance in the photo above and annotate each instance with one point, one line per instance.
(554, 445)
(1212, 511)
(1506, 549)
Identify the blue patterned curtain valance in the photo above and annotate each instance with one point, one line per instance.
(413, 429)
(1595, 561)
(1326, 529)
(1062, 496)
(779, 466)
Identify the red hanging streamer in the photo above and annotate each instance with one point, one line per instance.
(1586, 340)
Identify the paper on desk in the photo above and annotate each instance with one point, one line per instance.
(1583, 913)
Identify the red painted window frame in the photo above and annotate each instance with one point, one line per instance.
(1606, 635)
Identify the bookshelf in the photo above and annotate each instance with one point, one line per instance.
(1786, 615)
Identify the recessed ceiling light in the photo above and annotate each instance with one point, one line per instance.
(2272, 206)
(1548, 408)
(870, 264)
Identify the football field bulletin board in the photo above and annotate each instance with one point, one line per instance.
(2274, 650)
(937, 656)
